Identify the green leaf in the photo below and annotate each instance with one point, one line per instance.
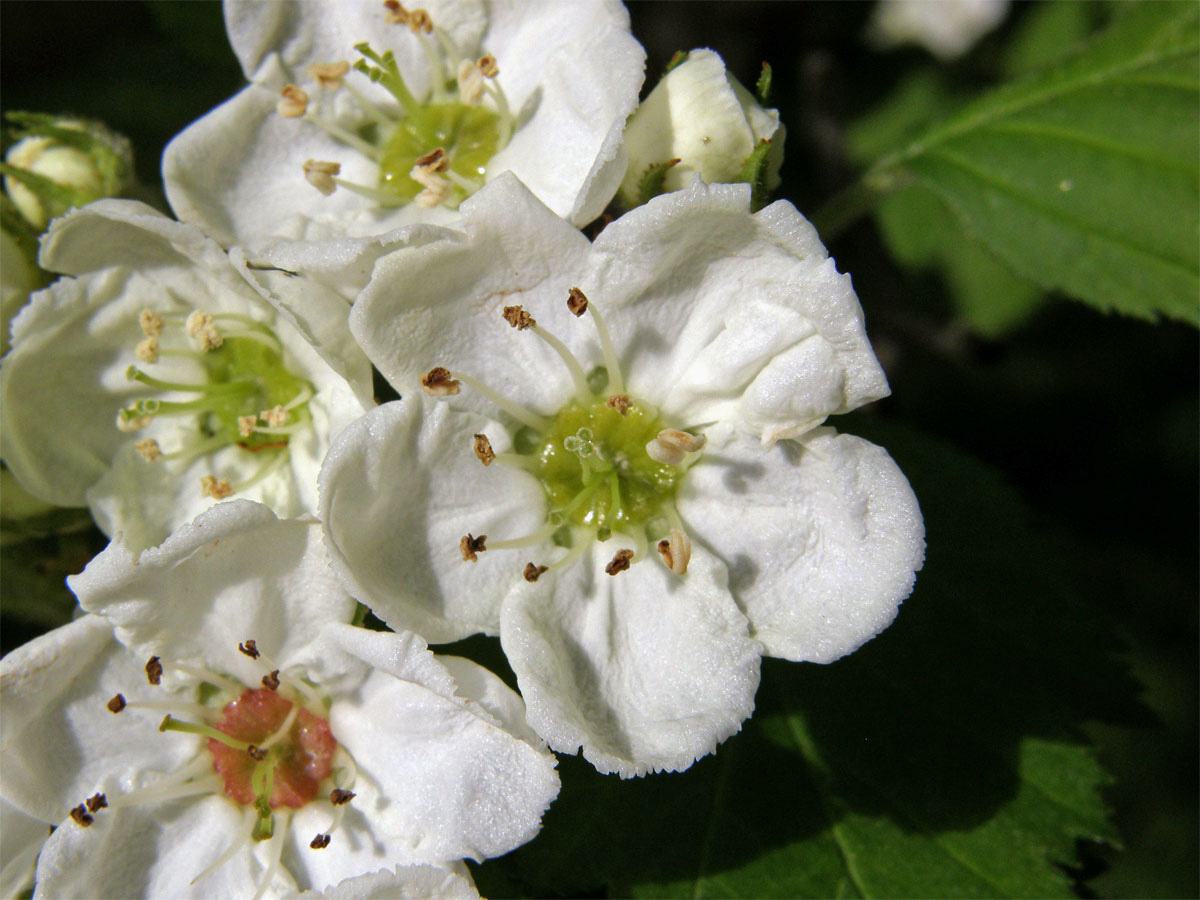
(1083, 177)
(943, 759)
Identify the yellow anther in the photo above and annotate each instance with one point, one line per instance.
(148, 449)
(276, 418)
(147, 350)
(217, 488)
(672, 445)
(676, 551)
(293, 102)
(151, 322)
(246, 425)
(319, 173)
(329, 75)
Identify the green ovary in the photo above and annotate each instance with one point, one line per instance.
(257, 381)
(468, 134)
(581, 487)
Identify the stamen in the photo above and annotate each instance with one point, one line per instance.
(133, 373)
(329, 75)
(619, 402)
(518, 412)
(95, 802)
(540, 536)
(154, 670)
(676, 551)
(197, 777)
(419, 22)
(470, 546)
(470, 82)
(148, 449)
(277, 417)
(438, 383)
(117, 703)
(620, 562)
(347, 137)
(615, 380)
(300, 399)
(147, 350)
(198, 320)
(396, 13)
(250, 649)
(170, 723)
(293, 102)
(483, 449)
(151, 323)
(168, 706)
(282, 731)
(672, 445)
(217, 488)
(533, 573)
(338, 796)
(81, 816)
(487, 65)
(205, 676)
(320, 842)
(246, 425)
(319, 173)
(426, 172)
(127, 421)
(271, 680)
(577, 303)
(519, 319)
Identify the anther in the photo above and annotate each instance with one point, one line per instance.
(483, 449)
(533, 573)
(250, 649)
(154, 670)
(131, 423)
(487, 65)
(470, 82)
(256, 753)
(619, 402)
(396, 13)
(81, 816)
(577, 302)
(672, 445)
(271, 680)
(620, 562)
(197, 320)
(438, 383)
(147, 350)
(95, 802)
(293, 102)
(275, 418)
(209, 338)
(319, 173)
(517, 317)
(246, 425)
(151, 322)
(425, 172)
(148, 449)
(217, 488)
(419, 22)
(676, 551)
(339, 796)
(116, 704)
(320, 842)
(329, 75)
(470, 546)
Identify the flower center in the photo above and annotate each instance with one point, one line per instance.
(433, 151)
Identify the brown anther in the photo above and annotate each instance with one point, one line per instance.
(339, 797)
(434, 161)
(396, 13)
(117, 703)
(320, 842)
(96, 801)
(672, 445)
(217, 488)
(419, 22)
(271, 681)
(320, 173)
(151, 322)
(620, 562)
(258, 754)
(250, 648)
(487, 65)
(438, 383)
(246, 425)
(517, 317)
(619, 402)
(293, 102)
(329, 75)
(533, 573)
(577, 302)
(147, 350)
(154, 670)
(470, 546)
(148, 449)
(81, 816)
(483, 449)
(676, 551)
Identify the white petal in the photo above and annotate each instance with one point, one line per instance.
(57, 737)
(236, 573)
(822, 537)
(415, 882)
(23, 839)
(731, 316)
(646, 670)
(399, 489)
(440, 304)
(149, 851)
(483, 687)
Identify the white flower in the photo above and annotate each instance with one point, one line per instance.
(691, 332)
(946, 28)
(700, 116)
(23, 839)
(313, 148)
(159, 379)
(236, 739)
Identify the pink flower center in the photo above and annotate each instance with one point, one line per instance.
(300, 760)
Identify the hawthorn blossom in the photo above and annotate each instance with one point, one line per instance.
(213, 728)
(362, 116)
(158, 378)
(612, 454)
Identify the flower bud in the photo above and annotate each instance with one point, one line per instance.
(700, 120)
(62, 162)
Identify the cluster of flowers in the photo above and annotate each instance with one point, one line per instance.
(611, 453)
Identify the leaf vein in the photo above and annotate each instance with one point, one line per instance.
(1095, 142)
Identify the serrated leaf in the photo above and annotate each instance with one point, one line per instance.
(1083, 177)
(943, 759)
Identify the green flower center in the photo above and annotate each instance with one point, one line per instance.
(470, 135)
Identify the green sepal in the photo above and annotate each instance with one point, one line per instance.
(650, 185)
(754, 173)
(677, 58)
(56, 198)
(19, 229)
(110, 152)
(762, 88)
